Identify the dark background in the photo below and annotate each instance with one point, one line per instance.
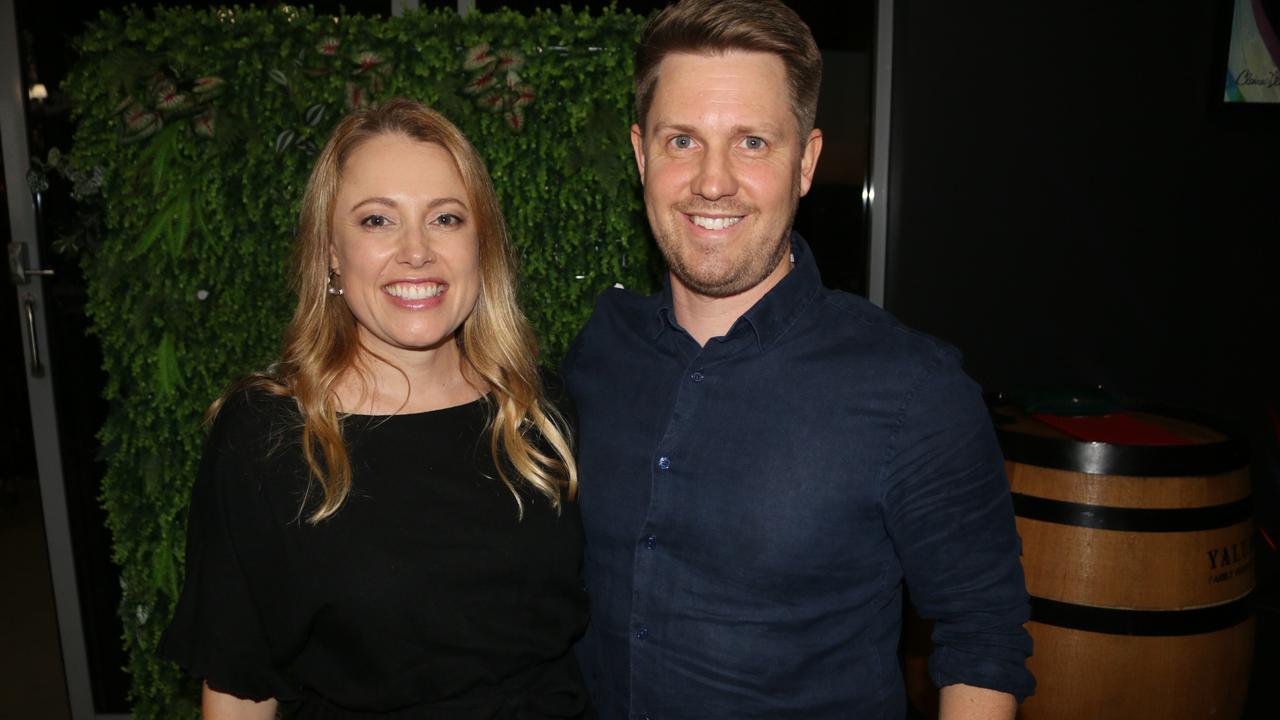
(1071, 204)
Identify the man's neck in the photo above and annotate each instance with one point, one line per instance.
(705, 317)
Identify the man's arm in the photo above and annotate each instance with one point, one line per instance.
(949, 513)
(965, 702)
(221, 706)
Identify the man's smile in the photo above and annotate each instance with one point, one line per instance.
(714, 223)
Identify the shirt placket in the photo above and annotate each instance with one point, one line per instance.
(649, 622)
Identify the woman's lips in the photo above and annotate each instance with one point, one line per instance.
(416, 294)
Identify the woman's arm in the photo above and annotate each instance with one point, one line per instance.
(221, 706)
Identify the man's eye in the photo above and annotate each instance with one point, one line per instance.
(682, 142)
(375, 221)
(447, 219)
(753, 143)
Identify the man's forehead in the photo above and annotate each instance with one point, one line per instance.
(727, 89)
(681, 62)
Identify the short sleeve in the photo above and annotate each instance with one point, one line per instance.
(950, 514)
(217, 632)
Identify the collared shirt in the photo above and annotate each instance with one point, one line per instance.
(753, 508)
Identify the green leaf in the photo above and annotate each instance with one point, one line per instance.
(167, 374)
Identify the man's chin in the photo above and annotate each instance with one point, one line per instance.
(713, 282)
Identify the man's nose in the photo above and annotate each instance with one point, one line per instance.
(715, 177)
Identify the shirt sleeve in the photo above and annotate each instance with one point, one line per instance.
(950, 516)
(217, 632)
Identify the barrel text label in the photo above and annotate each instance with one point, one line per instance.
(1230, 561)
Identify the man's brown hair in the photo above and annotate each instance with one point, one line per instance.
(707, 27)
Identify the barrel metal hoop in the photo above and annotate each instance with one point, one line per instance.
(1147, 623)
(1152, 520)
(1097, 458)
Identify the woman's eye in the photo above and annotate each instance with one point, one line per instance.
(753, 143)
(447, 219)
(375, 221)
(682, 142)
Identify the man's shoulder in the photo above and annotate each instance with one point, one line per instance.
(864, 327)
(618, 314)
(619, 304)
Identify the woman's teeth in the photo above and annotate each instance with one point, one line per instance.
(414, 291)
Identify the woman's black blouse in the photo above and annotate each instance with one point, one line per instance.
(425, 596)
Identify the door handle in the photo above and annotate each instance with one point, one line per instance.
(18, 270)
(29, 313)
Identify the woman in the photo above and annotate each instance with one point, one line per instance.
(382, 524)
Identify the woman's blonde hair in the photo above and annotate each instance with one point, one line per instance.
(529, 439)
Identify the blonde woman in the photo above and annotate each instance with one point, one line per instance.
(384, 524)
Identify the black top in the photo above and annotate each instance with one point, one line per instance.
(424, 596)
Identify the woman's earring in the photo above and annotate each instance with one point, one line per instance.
(333, 290)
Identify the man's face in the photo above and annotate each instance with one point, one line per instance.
(723, 167)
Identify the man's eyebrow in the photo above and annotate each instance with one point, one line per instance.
(678, 127)
(766, 129)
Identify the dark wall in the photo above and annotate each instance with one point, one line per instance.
(1070, 203)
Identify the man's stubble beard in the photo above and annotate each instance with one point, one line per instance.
(750, 266)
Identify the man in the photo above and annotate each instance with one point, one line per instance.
(765, 462)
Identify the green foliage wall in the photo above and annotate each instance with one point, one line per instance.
(195, 134)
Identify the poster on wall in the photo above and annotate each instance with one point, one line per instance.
(1253, 60)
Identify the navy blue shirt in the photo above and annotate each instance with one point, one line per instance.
(753, 508)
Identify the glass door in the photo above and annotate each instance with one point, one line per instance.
(60, 369)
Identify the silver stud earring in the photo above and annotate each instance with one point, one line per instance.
(333, 290)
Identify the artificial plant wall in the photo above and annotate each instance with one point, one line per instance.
(195, 134)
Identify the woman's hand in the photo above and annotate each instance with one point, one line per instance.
(221, 706)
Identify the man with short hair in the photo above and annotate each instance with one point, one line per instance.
(765, 462)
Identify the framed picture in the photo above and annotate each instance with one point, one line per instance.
(1253, 53)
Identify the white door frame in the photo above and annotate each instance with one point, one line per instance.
(35, 350)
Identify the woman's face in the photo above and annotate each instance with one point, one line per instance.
(404, 244)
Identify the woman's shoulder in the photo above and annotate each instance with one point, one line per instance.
(249, 413)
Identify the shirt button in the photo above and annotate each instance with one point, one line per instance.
(696, 377)
(664, 463)
(651, 542)
(642, 632)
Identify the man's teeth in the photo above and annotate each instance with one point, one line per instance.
(714, 223)
(414, 291)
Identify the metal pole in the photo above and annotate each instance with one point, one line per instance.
(876, 194)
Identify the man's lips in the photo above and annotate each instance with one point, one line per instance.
(714, 222)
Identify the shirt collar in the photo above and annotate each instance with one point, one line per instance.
(770, 317)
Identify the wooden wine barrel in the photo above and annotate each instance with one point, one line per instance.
(1139, 565)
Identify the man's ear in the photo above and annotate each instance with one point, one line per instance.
(637, 146)
(809, 159)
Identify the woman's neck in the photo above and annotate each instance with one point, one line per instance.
(408, 382)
